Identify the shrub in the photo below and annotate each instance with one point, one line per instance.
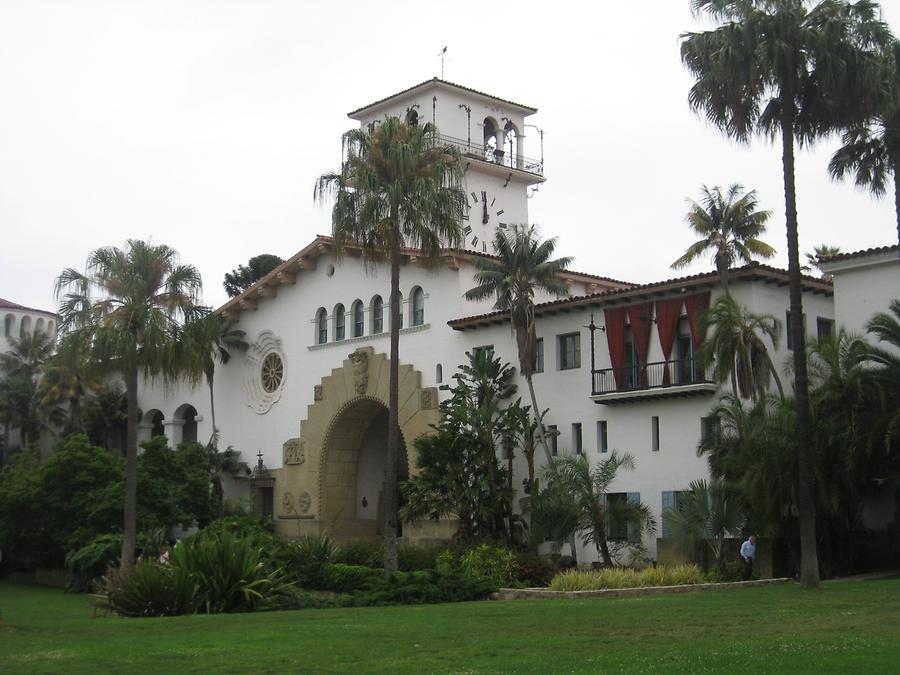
(291, 597)
(490, 562)
(90, 562)
(420, 588)
(574, 580)
(229, 573)
(149, 589)
(369, 554)
(416, 558)
(533, 569)
(342, 578)
(732, 571)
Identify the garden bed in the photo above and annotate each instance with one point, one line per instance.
(549, 594)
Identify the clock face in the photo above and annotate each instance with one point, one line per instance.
(485, 209)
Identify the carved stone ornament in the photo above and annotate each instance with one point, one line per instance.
(360, 361)
(287, 502)
(293, 451)
(304, 501)
(318, 394)
(429, 399)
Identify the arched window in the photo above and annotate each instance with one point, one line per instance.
(417, 309)
(39, 326)
(321, 326)
(412, 117)
(490, 139)
(9, 324)
(188, 414)
(358, 319)
(339, 322)
(511, 144)
(25, 327)
(377, 315)
(50, 329)
(439, 373)
(400, 305)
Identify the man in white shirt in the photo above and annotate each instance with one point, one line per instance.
(748, 553)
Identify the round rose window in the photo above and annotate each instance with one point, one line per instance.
(272, 372)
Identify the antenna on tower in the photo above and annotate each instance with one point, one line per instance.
(441, 54)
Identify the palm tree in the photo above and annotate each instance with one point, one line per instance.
(886, 327)
(812, 258)
(27, 355)
(69, 377)
(709, 512)
(728, 226)
(131, 305)
(738, 349)
(870, 149)
(398, 187)
(213, 339)
(225, 463)
(522, 266)
(785, 68)
(588, 488)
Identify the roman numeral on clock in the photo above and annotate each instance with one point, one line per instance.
(474, 241)
(500, 212)
(474, 197)
(468, 230)
(502, 226)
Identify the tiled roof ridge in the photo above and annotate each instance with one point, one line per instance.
(661, 285)
(440, 81)
(8, 304)
(875, 250)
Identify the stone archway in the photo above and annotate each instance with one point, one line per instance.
(316, 488)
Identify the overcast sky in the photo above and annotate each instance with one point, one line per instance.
(203, 124)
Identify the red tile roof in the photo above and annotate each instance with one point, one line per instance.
(526, 108)
(750, 272)
(878, 250)
(6, 304)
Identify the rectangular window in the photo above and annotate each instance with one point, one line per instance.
(602, 438)
(671, 499)
(482, 348)
(616, 527)
(629, 366)
(552, 435)
(824, 328)
(654, 431)
(576, 438)
(538, 365)
(787, 329)
(709, 428)
(569, 351)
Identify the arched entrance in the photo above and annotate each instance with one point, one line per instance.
(338, 459)
(354, 471)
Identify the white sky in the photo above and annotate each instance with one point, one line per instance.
(203, 124)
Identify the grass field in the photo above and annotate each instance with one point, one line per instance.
(842, 627)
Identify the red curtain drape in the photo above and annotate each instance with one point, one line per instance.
(695, 305)
(639, 317)
(615, 339)
(667, 313)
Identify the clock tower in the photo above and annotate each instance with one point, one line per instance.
(490, 135)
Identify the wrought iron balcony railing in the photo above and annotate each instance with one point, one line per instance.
(494, 155)
(658, 375)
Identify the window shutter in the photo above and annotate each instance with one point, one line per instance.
(668, 502)
(633, 530)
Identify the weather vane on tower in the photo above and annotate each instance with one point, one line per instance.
(441, 54)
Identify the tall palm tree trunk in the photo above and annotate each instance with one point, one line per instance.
(540, 419)
(129, 530)
(393, 445)
(214, 438)
(896, 166)
(809, 563)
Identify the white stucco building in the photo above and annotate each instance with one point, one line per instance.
(617, 360)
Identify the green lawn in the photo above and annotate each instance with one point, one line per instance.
(842, 627)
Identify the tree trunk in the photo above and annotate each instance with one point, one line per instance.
(393, 446)
(539, 418)
(573, 545)
(896, 167)
(214, 439)
(129, 530)
(604, 545)
(809, 563)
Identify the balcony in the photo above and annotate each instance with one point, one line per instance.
(663, 379)
(472, 148)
